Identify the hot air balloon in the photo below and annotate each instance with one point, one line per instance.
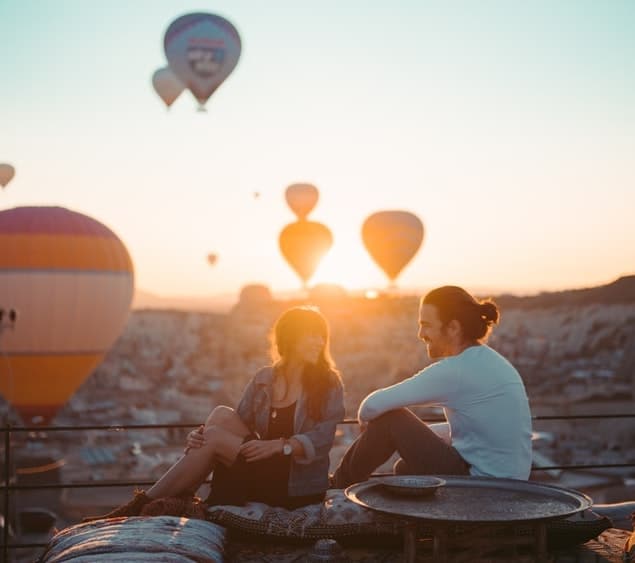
(202, 50)
(303, 245)
(301, 198)
(212, 259)
(392, 238)
(71, 280)
(167, 85)
(7, 172)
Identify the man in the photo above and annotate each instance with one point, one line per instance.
(482, 395)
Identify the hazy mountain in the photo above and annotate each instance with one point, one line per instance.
(621, 290)
(216, 303)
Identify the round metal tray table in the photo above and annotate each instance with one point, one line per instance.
(476, 502)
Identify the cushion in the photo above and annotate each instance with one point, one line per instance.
(166, 538)
(338, 517)
(335, 517)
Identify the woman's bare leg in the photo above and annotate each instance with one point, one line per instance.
(224, 433)
(227, 419)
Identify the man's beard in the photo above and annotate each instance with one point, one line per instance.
(434, 353)
(437, 351)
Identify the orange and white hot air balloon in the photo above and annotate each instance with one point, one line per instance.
(392, 238)
(7, 172)
(71, 280)
(301, 198)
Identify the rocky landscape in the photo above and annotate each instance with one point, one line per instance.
(575, 352)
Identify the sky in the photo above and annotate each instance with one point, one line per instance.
(507, 127)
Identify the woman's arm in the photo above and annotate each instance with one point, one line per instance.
(255, 450)
(318, 441)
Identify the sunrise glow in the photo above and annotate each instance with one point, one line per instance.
(516, 158)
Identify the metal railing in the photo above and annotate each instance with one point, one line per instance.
(8, 488)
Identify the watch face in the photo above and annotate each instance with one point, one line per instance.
(287, 449)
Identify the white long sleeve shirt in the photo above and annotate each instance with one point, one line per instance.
(485, 404)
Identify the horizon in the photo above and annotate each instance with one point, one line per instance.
(507, 128)
(222, 301)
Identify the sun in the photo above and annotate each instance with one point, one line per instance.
(350, 268)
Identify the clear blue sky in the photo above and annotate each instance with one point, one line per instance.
(507, 127)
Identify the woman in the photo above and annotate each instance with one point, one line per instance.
(274, 447)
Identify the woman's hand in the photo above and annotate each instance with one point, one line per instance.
(195, 439)
(255, 450)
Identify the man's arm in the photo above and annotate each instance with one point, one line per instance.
(430, 386)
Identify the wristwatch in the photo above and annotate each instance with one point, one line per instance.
(287, 449)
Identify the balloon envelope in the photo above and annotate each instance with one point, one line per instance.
(7, 172)
(212, 259)
(303, 245)
(71, 280)
(392, 238)
(301, 198)
(202, 50)
(167, 85)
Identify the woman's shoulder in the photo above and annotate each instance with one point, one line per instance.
(264, 374)
(334, 378)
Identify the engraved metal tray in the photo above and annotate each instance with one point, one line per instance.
(475, 499)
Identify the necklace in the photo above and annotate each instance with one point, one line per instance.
(274, 410)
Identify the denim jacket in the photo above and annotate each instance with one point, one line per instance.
(309, 473)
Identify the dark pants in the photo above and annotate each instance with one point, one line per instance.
(422, 451)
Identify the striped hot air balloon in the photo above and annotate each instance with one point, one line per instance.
(71, 280)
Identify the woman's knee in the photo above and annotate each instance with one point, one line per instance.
(220, 416)
(211, 434)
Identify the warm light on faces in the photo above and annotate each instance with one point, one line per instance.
(433, 333)
(308, 348)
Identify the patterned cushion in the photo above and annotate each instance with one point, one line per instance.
(338, 517)
(335, 517)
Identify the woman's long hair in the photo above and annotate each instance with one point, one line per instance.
(318, 378)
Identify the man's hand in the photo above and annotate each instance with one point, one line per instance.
(255, 450)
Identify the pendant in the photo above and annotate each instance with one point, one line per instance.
(274, 413)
